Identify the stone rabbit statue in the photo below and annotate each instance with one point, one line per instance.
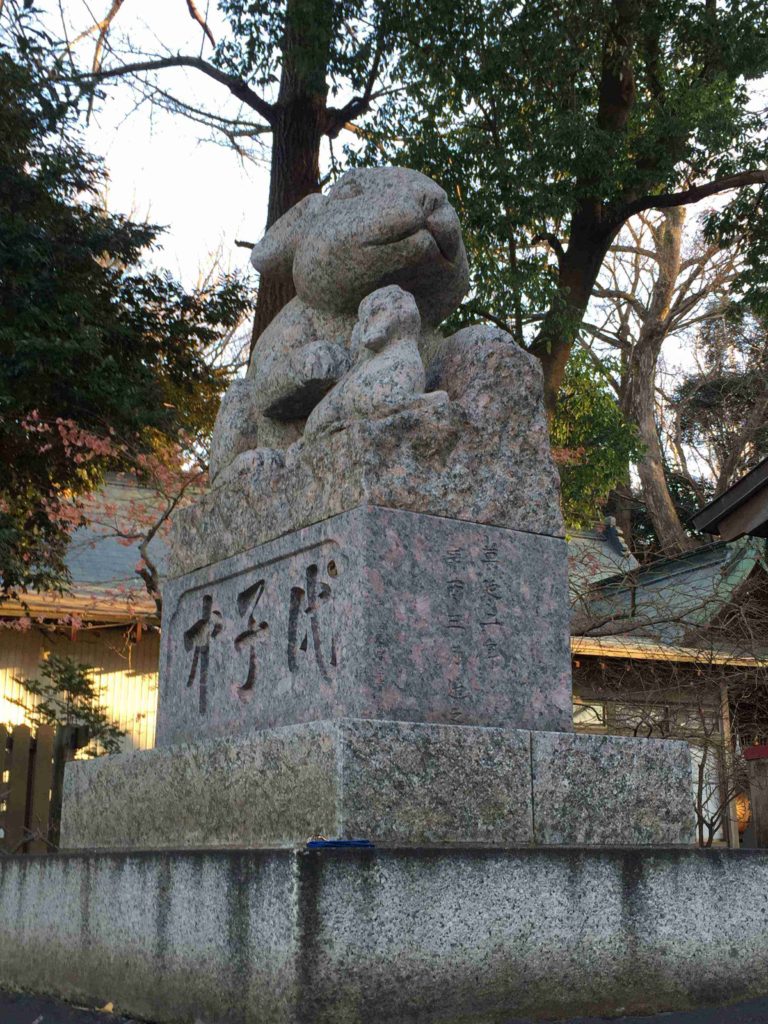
(375, 227)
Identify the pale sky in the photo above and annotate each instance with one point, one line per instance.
(158, 166)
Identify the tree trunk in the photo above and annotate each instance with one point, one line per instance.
(594, 224)
(580, 265)
(300, 121)
(620, 504)
(672, 537)
(638, 399)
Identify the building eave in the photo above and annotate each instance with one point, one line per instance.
(88, 607)
(647, 649)
(743, 492)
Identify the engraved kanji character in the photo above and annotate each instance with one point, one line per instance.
(490, 553)
(310, 600)
(256, 632)
(453, 557)
(198, 638)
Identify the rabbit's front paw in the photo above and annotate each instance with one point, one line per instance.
(310, 372)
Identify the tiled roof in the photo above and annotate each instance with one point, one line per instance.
(596, 555)
(672, 598)
(102, 567)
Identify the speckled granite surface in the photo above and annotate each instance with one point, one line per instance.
(372, 614)
(389, 782)
(482, 456)
(387, 936)
(611, 790)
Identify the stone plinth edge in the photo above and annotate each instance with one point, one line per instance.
(389, 782)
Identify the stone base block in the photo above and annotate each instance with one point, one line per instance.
(389, 782)
(610, 790)
(386, 936)
(372, 614)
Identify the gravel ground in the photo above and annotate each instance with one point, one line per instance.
(21, 1009)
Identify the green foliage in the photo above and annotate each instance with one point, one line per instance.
(337, 41)
(592, 441)
(68, 696)
(92, 346)
(744, 222)
(505, 106)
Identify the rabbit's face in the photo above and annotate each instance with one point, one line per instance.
(377, 226)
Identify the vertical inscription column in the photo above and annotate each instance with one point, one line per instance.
(476, 623)
(491, 600)
(458, 620)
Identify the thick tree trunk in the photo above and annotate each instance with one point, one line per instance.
(296, 137)
(300, 121)
(620, 504)
(579, 267)
(640, 410)
(594, 224)
(638, 399)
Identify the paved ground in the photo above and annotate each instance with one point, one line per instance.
(15, 1009)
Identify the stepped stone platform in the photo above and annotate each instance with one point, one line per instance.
(388, 782)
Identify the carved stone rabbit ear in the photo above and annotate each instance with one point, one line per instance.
(274, 253)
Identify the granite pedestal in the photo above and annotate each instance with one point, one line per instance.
(481, 457)
(374, 613)
(382, 675)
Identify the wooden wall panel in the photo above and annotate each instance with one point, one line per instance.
(126, 673)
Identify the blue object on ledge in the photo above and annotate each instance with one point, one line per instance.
(322, 844)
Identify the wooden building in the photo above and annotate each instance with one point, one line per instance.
(679, 648)
(740, 511)
(107, 623)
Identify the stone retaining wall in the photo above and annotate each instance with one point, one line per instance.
(385, 936)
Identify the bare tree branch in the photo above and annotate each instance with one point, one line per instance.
(694, 194)
(628, 297)
(553, 241)
(227, 125)
(195, 15)
(338, 118)
(99, 26)
(240, 89)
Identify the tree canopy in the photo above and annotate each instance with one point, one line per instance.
(721, 404)
(301, 70)
(101, 358)
(552, 124)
